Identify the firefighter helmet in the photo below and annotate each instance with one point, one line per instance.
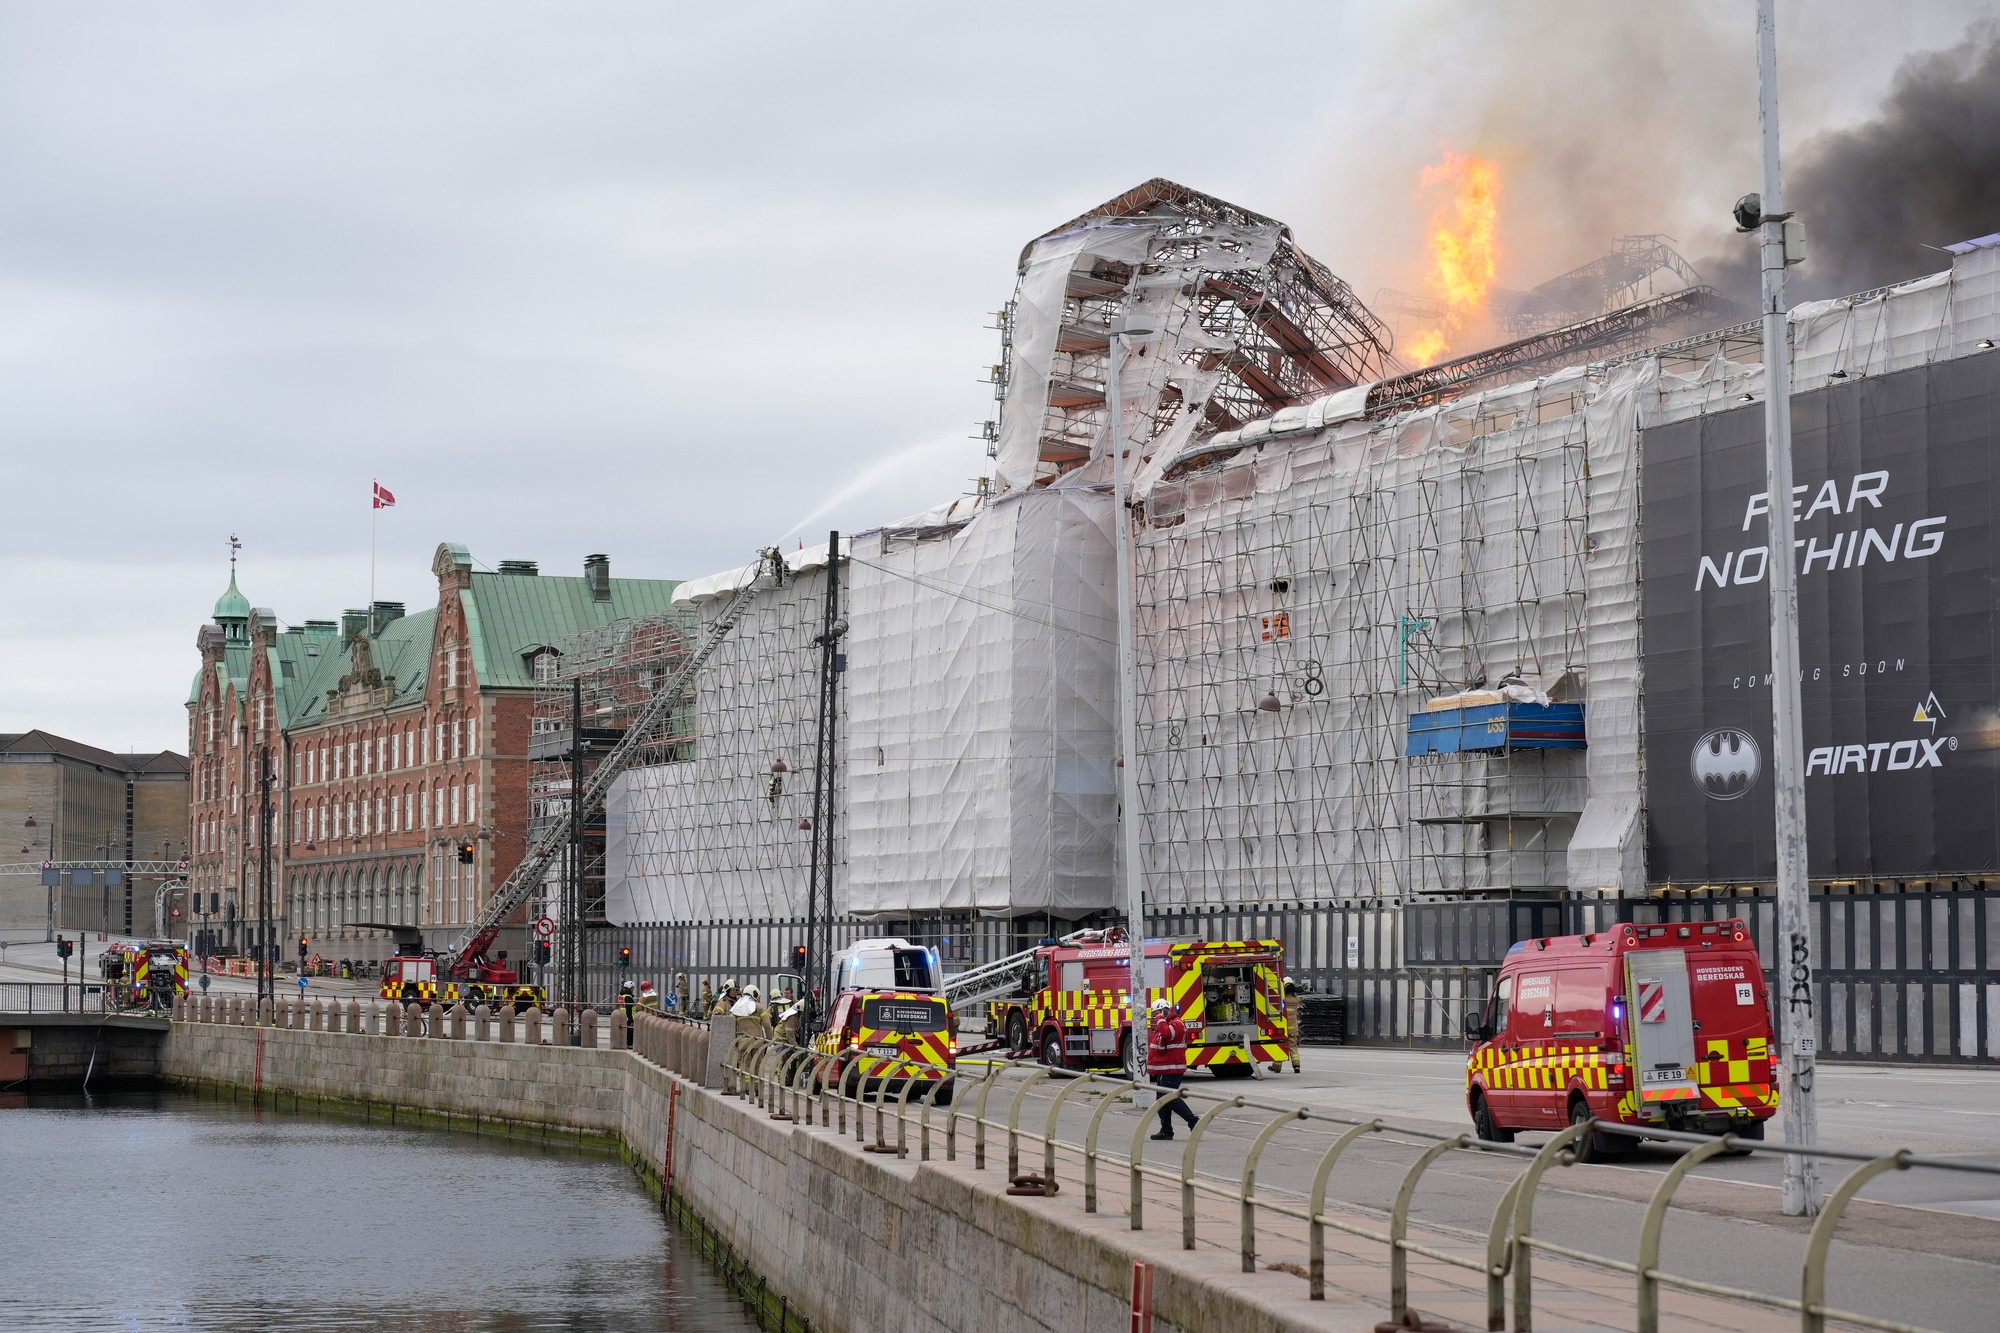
(1163, 1003)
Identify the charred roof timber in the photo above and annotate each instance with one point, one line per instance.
(1244, 323)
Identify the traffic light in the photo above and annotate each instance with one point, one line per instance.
(799, 959)
(541, 953)
(467, 853)
(304, 948)
(64, 948)
(625, 957)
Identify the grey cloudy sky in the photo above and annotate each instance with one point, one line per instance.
(670, 281)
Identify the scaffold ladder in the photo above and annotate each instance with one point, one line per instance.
(554, 840)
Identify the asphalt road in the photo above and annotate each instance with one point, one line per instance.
(1920, 1246)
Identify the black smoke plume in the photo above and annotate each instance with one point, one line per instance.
(1924, 171)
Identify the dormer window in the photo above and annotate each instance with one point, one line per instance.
(543, 663)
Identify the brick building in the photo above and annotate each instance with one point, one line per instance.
(106, 822)
(391, 742)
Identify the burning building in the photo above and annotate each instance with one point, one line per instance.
(1334, 551)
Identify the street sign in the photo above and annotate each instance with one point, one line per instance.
(545, 927)
(302, 984)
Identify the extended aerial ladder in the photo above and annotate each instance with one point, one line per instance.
(1010, 975)
(468, 953)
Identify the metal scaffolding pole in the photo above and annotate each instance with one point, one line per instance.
(818, 980)
(1128, 695)
(1798, 1031)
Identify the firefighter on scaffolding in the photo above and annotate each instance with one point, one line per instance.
(1166, 1063)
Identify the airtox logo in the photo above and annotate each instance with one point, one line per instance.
(1929, 711)
(1726, 763)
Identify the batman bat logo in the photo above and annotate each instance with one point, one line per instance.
(1727, 763)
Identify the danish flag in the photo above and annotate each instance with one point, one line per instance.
(384, 499)
(1652, 1002)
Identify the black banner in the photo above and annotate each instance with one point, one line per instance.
(1897, 547)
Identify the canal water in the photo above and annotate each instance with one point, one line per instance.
(147, 1211)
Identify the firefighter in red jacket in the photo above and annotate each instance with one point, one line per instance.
(1166, 1063)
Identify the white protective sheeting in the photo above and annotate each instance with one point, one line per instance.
(981, 691)
(716, 835)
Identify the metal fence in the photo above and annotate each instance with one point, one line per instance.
(55, 997)
(1908, 974)
(1260, 1217)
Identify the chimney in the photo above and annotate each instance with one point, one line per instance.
(597, 573)
(352, 624)
(525, 567)
(385, 613)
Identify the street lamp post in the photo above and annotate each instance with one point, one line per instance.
(1122, 327)
(1798, 1028)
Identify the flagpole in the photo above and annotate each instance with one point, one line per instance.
(374, 523)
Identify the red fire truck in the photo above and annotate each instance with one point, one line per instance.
(412, 974)
(1069, 1002)
(1665, 1025)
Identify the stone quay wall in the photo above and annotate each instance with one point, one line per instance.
(853, 1241)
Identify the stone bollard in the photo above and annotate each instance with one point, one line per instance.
(480, 1015)
(534, 1032)
(588, 1037)
(354, 1015)
(264, 1012)
(319, 1023)
(559, 1026)
(413, 1019)
(392, 1020)
(618, 1039)
(458, 1022)
(507, 1023)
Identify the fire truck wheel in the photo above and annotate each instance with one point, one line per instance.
(1125, 1061)
(1017, 1032)
(1052, 1048)
(1482, 1122)
(942, 1097)
(1593, 1147)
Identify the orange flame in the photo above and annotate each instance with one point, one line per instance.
(1463, 255)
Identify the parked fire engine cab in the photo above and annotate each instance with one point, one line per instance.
(147, 977)
(413, 974)
(1069, 1002)
(890, 1021)
(1661, 1025)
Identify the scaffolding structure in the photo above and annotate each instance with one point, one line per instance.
(589, 691)
(718, 824)
(1293, 610)
(1240, 322)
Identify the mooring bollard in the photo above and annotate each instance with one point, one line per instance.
(480, 1015)
(458, 1021)
(534, 1033)
(589, 1036)
(413, 1019)
(617, 1029)
(507, 1024)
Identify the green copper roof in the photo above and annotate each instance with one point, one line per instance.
(511, 615)
(232, 605)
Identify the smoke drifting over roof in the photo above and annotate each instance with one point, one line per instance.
(1924, 171)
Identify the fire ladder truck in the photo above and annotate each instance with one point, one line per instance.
(1067, 1001)
(466, 959)
(976, 987)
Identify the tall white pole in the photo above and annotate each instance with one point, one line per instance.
(1128, 699)
(1798, 1028)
